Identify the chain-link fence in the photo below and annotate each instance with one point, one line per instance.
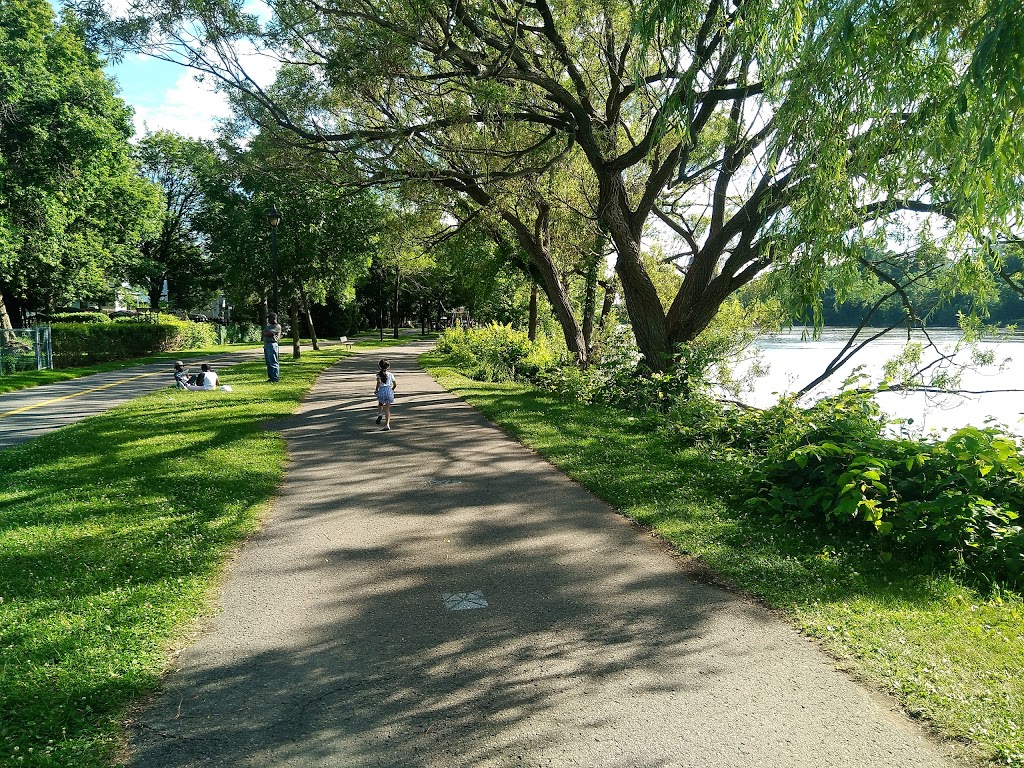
(25, 349)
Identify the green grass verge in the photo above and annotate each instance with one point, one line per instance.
(112, 532)
(950, 654)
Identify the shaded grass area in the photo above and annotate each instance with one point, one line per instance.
(950, 654)
(112, 532)
(12, 382)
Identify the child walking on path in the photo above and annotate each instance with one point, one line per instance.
(385, 391)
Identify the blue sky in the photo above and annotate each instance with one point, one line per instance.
(166, 96)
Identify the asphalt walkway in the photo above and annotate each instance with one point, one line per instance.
(31, 412)
(439, 596)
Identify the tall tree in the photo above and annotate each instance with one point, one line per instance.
(72, 205)
(761, 132)
(326, 230)
(183, 169)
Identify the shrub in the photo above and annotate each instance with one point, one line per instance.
(244, 333)
(954, 501)
(76, 344)
(496, 353)
(191, 335)
(79, 317)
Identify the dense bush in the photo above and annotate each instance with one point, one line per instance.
(244, 333)
(76, 344)
(496, 353)
(78, 317)
(952, 502)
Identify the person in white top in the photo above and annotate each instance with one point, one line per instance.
(205, 380)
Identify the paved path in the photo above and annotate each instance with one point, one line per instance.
(31, 412)
(334, 645)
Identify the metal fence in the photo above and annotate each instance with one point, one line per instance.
(26, 349)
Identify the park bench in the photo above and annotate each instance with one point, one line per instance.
(345, 340)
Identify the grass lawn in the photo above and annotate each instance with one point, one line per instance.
(112, 532)
(950, 654)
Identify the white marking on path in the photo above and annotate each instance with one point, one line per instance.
(464, 601)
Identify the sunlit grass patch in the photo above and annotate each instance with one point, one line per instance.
(948, 652)
(111, 534)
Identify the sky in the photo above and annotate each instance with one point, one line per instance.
(167, 96)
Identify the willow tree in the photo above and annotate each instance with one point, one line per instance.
(762, 132)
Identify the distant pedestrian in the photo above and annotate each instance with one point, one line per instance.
(385, 391)
(271, 336)
(181, 377)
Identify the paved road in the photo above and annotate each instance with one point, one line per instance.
(28, 413)
(439, 596)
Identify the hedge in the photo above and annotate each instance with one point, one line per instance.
(79, 317)
(76, 344)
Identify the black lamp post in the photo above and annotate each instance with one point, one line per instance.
(273, 219)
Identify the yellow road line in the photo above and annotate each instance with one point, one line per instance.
(77, 394)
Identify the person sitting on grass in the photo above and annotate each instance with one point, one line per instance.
(205, 380)
(181, 377)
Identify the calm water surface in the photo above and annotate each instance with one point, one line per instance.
(795, 361)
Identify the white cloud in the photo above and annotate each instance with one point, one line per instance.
(192, 108)
(188, 107)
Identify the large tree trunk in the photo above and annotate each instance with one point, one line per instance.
(611, 288)
(156, 289)
(643, 304)
(5, 318)
(536, 245)
(309, 316)
(7, 337)
(590, 296)
(532, 332)
(293, 311)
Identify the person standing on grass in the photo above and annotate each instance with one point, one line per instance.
(271, 336)
(385, 391)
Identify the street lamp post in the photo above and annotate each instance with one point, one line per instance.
(273, 219)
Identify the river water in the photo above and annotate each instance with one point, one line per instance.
(794, 359)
